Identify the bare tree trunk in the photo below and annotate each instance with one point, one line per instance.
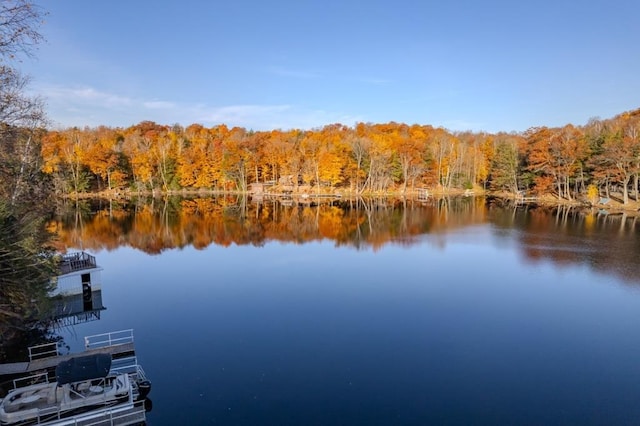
(625, 190)
(23, 161)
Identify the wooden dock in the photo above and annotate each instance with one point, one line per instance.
(523, 198)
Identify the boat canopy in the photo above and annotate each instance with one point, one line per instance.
(83, 368)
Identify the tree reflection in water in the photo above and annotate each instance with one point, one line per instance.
(559, 234)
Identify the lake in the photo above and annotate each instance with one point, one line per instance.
(450, 312)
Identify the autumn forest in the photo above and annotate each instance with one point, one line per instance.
(569, 163)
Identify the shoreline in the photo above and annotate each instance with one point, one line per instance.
(614, 204)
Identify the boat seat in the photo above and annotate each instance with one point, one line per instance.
(12, 406)
(44, 393)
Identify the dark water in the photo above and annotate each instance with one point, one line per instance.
(465, 314)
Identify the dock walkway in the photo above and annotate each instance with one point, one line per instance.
(43, 357)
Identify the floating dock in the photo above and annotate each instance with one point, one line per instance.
(118, 344)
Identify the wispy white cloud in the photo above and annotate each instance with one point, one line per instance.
(266, 117)
(240, 115)
(83, 95)
(86, 106)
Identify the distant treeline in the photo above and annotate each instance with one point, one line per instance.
(569, 162)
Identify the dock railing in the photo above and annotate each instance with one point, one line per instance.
(45, 350)
(108, 339)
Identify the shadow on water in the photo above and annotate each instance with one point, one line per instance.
(26, 266)
(567, 235)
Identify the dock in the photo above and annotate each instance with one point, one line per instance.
(118, 344)
(44, 358)
(527, 199)
(523, 198)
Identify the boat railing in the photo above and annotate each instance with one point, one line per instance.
(47, 413)
(45, 350)
(133, 415)
(130, 366)
(130, 414)
(108, 339)
(31, 380)
(140, 375)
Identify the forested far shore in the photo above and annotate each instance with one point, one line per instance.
(569, 163)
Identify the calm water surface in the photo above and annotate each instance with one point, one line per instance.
(520, 317)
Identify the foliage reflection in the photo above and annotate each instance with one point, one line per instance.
(560, 234)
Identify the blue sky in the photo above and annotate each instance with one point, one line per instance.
(464, 65)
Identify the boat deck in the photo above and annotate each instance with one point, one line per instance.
(131, 414)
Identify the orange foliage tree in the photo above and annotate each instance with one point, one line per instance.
(366, 158)
(103, 156)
